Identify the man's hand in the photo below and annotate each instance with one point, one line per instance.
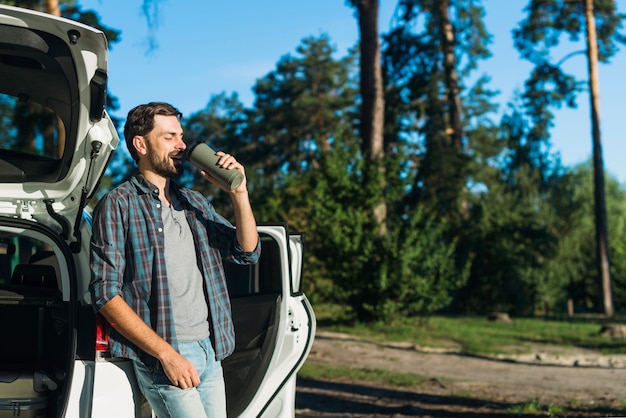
(228, 162)
(180, 371)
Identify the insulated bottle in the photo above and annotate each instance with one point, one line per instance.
(203, 157)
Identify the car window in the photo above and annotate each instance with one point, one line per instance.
(261, 278)
(39, 106)
(31, 128)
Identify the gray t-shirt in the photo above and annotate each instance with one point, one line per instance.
(183, 276)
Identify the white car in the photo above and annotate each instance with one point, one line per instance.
(55, 142)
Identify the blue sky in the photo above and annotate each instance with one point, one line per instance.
(210, 46)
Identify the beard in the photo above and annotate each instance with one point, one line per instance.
(166, 166)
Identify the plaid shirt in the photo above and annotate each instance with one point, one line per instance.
(127, 259)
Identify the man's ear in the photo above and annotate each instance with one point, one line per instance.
(139, 142)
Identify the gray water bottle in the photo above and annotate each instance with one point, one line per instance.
(203, 157)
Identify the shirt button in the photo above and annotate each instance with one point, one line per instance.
(158, 206)
(160, 229)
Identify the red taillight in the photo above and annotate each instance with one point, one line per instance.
(102, 334)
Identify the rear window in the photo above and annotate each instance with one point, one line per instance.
(39, 106)
(30, 128)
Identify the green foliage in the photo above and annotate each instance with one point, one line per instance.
(300, 105)
(572, 272)
(305, 167)
(510, 241)
(535, 406)
(425, 91)
(418, 272)
(410, 270)
(549, 21)
(509, 230)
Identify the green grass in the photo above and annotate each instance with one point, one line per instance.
(474, 335)
(318, 371)
(536, 407)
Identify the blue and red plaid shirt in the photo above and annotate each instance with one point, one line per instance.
(127, 259)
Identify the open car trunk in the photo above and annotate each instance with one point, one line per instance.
(37, 321)
(55, 142)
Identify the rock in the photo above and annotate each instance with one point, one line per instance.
(613, 331)
(499, 317)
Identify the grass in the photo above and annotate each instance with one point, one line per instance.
(475, 335)
(386, 377)
(536, 407)
(468, 335)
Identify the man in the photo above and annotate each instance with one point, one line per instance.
(157, 273)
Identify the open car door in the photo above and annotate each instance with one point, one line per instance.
(274, 327)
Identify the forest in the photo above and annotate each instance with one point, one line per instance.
(414, 199)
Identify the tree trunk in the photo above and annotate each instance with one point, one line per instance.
(373, 103)
(602, 247)
(453, 99)
(451, 75)
(52, 7)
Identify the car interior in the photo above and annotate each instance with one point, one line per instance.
(255, 293)
(35, 336)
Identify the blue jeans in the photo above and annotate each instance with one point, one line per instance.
(208, 400)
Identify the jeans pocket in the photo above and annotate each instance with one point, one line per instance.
(160, 378)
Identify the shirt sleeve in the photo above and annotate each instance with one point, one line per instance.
(107, 252)
(230, 249)
(246, 257)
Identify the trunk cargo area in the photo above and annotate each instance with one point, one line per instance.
(35, 336)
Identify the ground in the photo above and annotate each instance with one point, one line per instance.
(583, 382)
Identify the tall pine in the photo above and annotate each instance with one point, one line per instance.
(547, 23)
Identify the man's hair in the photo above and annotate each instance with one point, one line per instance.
(140, 121)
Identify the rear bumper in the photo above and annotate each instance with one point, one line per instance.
(105, 389)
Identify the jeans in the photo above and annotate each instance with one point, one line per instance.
(208, 400)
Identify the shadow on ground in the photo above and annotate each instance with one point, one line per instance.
(316, 398)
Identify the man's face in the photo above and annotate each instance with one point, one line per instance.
(165, 146)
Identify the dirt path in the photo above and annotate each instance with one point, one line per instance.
(463, 386)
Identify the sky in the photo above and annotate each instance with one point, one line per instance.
(205, 47)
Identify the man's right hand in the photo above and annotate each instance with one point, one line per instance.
(178, 369)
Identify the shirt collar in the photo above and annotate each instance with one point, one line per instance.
(144, 186)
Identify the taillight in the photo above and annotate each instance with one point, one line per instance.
(102, 334)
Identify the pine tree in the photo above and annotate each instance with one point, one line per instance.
(547, 21)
